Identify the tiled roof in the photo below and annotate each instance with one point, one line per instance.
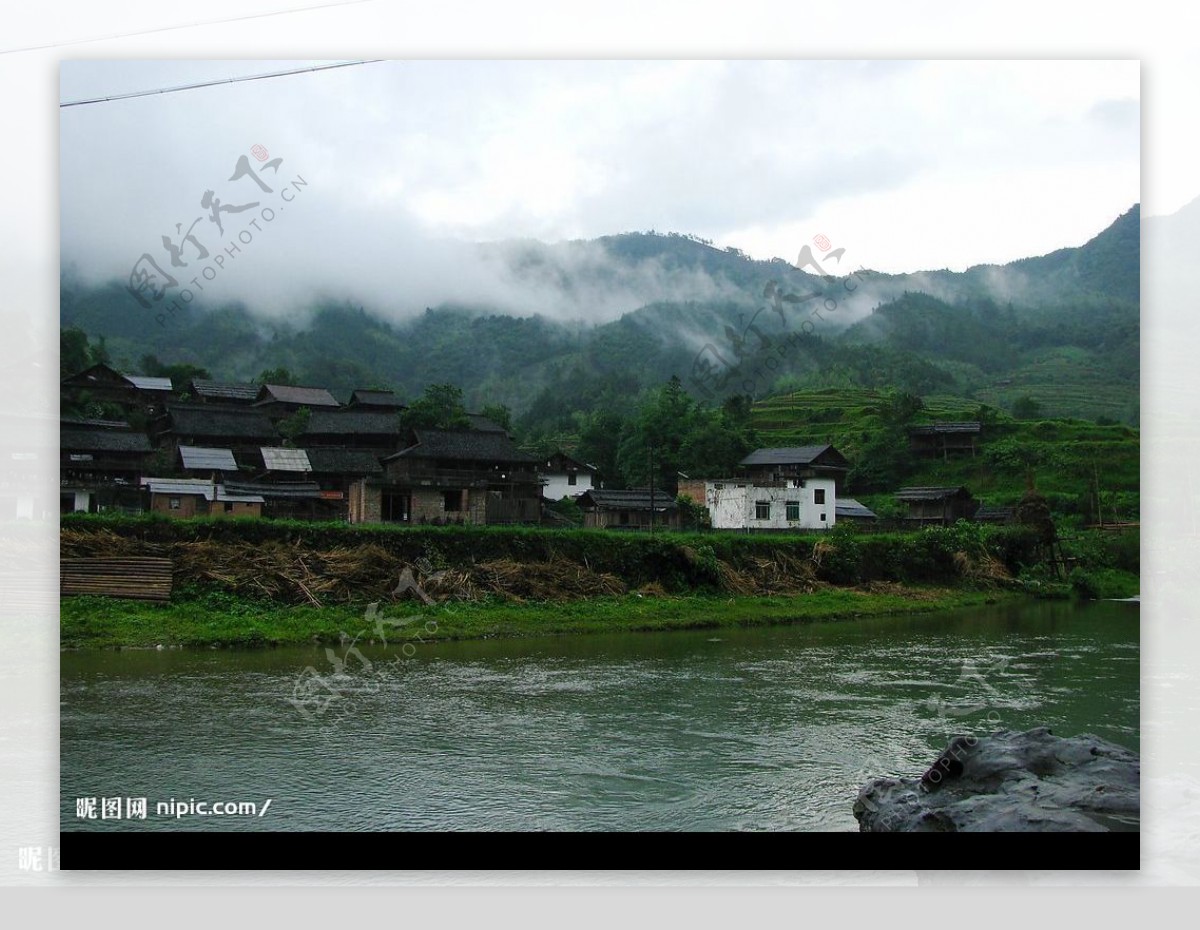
(931, 429)
(225, 390)
(849, 507)
(103, 440)
(303, 396)
(930, 494)
(330, 461)
(143, 383)
(632, 499)
(369, 398)
(788, 455)
(351, 422)
(464, 445)
(210, 420)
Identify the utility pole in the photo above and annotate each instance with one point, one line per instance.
(651, 489)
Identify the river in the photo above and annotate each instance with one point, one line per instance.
(758, 729)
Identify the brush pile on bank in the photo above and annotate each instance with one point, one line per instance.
(321, 564)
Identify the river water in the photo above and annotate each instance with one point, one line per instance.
(758, 729)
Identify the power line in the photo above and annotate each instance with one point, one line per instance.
(232, 80)
(210, 22)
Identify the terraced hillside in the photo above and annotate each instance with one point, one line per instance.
(1070, 460)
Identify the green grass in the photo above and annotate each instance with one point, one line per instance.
(222, 620)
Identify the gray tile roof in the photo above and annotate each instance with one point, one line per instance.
(930, 493)
(225, 390)
(334, 461)
(303, 396)
(351, 422)
(203, 458)
(849, 507)
(210, 420)
(281, 490)
(631, 499)
(787, 455)
(103, 440)
(931, 429)
(369, 398)
(464, 445)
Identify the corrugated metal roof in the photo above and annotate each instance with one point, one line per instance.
(204, 458)
(789, 455)
(144, 383)
(849, 507)
(184, 486)
(277, 458)
(288, 394)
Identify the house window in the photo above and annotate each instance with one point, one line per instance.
(793, 510)
(453, 501)
(571, 479)
(173, 503)
(623, 517)
(819, 496)
(762, 510)
(229, 506)
(822, 518)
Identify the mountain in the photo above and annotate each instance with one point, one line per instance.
(1061, 328)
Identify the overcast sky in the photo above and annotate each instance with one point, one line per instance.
(907, 165)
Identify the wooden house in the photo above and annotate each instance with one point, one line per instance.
(282, 400)
(104, 385)
(633, 509)
(100, 464)
(367, 429)
(451, 476)
(243, 430)
(942, 440)
(792, 463)
(365, 399)
(189, 497)
(937, 506)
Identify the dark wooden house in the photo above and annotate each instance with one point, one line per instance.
(243, 430)
(451, 476)
(130, 393)
(942, 440)
(633, 509)
(792, 463)
(282, 400)
(372, 430)
(937, 506)
(100, 465)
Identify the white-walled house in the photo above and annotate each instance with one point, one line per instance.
(798, 503)
(563, 476)
(783, 488)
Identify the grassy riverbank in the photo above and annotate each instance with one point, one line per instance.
(220, 619)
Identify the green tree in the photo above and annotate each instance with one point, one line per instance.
(1026, 408)
(440, 407)
(291, 428)
(276, 376)
(500, 415)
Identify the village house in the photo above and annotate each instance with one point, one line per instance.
(101, 384)
(100, 464)
(632, 509)
(942, 440)
(242, 430)
(282, 400)
(564, 476)
(188, 497)
(785, 488)
(364, 428)
(451, 476)
(937, 506)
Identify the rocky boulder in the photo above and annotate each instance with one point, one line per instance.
(1009, 781)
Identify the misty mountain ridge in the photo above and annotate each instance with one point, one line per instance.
(1065, 322)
